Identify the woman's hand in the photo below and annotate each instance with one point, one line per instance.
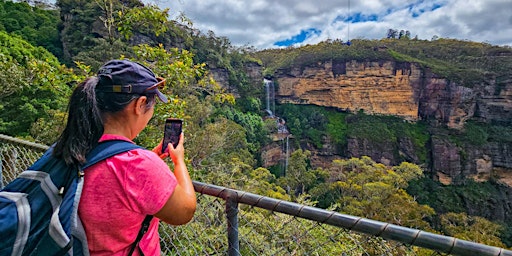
(176, 154)
(158, 150)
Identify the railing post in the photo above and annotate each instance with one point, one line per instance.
(232, 217)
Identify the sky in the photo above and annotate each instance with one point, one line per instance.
(264, 24)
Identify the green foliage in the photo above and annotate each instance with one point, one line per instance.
(361, 50)
(373, 129)
(479, 134)
(35, 25)
(263, 232)
(221, 56)
(416, 132)
(475, 134)
(22, 51)
(256, 131)
(12, 76)
(178, 67)
(265, 184)
(452, 198)
(39, 92)
(89, 27)
(146, 19)
(77, 32)
(299, 177)
(312, 123)
(103, 51)
(455, 199)
(337, 127)
(499, 133)
(361, 187)
(471, 228)
(305, 122)
(218, 143)
(389, 130)
(212, 49)
(290, 240)
(185, 81)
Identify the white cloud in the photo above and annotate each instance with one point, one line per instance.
(261, 23)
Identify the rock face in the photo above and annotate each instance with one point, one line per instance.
(413, 93)
(252, 69)
(492, 160)
(395, 88)
(375, 87)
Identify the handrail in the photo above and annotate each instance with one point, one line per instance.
(17, 141)
(388, 231)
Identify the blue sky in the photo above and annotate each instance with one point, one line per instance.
(299, 38)
(270, 24)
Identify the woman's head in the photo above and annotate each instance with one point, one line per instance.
(118, 84)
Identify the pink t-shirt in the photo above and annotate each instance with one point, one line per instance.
(117, 195)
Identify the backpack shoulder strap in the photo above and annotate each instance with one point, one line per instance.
(107, 149)
(143, 229)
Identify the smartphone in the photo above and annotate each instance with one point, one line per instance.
(172, 132)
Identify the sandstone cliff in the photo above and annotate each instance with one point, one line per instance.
(375, 87)
(414, 93)
(394, 88)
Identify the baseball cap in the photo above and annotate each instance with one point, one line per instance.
(124, 76)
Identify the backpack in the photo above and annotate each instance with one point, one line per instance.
(38, 210)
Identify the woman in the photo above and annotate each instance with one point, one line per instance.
(119, 192)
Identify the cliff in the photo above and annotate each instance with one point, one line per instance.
(414, 93)
(374, 87)
(395, 88)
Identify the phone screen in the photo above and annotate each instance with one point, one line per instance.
(172, 132)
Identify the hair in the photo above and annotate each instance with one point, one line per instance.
(86, 112)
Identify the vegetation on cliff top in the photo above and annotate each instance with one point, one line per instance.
(464, 62)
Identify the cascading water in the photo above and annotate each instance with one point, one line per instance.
(286, 156)
(285, 149)
(269, 90)
(282, 132)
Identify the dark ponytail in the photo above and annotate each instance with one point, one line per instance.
(84, 127)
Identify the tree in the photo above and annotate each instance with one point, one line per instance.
(362, 187)
(145, 19)
(392, 33)
(471, 228)
(299, 177)
(35, 91)
(35, 23)
(12, 76)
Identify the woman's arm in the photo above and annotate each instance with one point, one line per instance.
(181, 205)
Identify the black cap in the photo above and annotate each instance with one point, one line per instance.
(124, 76)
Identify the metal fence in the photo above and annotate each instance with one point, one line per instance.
(232, 222)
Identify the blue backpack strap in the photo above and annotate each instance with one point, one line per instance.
(107, 149)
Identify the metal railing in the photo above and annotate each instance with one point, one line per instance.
(232, 222)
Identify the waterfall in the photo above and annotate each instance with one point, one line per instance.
(283, 169)
(269, 90)
(283, 135)
(285, 148)
(286, 156)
